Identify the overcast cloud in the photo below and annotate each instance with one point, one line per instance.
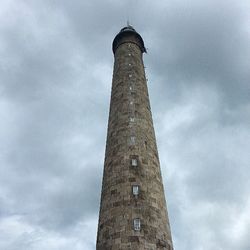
(55, 80)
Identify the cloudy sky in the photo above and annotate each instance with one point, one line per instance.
(55, 79)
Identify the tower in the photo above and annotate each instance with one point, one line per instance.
(133, 211)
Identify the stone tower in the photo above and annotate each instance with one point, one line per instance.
(133, 211)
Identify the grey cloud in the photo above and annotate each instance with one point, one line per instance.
(56, 69)
(204, 43)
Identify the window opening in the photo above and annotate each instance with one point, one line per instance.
(132, 140)
(137, 224)
(135, 189)
(132, 88)
(134, 163)
(132, 119)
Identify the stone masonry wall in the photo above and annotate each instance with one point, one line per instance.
(131, 137)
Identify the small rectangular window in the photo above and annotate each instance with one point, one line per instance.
(137, 224)
(131, 103)
(132, 89)
(134, 163)
(132, 140)
(129, 75)
(135, 189)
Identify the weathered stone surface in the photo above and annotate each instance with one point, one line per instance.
(131, 136)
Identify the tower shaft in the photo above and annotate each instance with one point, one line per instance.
(133, 211)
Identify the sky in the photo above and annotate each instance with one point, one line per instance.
(55, 80)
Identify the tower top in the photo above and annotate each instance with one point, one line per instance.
(128, 34)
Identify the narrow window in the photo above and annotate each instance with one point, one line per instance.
(135, 190)
(137, 224)
(132, 140)
(131, 103)
(129, 75)
(132, 88)
(134, 162)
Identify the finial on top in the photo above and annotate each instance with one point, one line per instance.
(128, 25)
